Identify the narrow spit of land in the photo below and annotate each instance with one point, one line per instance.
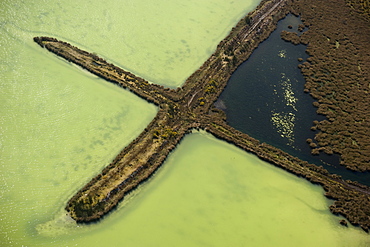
(191, 107)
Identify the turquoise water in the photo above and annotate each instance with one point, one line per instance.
(59, 126)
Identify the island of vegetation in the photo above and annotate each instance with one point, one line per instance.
(191, 107)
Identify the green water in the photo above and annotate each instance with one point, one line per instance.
(210, 193)
(152, 39)
(59, 126)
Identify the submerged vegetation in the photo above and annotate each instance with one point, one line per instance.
(191, 107)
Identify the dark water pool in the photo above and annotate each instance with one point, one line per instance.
(265, 99)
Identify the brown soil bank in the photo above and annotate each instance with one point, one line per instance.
(338, 76)
(191, 107)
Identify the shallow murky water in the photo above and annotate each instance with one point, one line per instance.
(162, 41)
(60, 125)
(210, 193)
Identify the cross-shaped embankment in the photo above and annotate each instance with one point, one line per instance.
(183, 109)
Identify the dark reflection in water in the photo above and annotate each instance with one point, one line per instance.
(265, 99)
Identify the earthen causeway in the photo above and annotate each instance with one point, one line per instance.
(191, 107)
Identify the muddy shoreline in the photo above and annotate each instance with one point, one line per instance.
(189, 107)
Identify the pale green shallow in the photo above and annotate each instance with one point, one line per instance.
(162, 41)
(210, 193)
(59, 126)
